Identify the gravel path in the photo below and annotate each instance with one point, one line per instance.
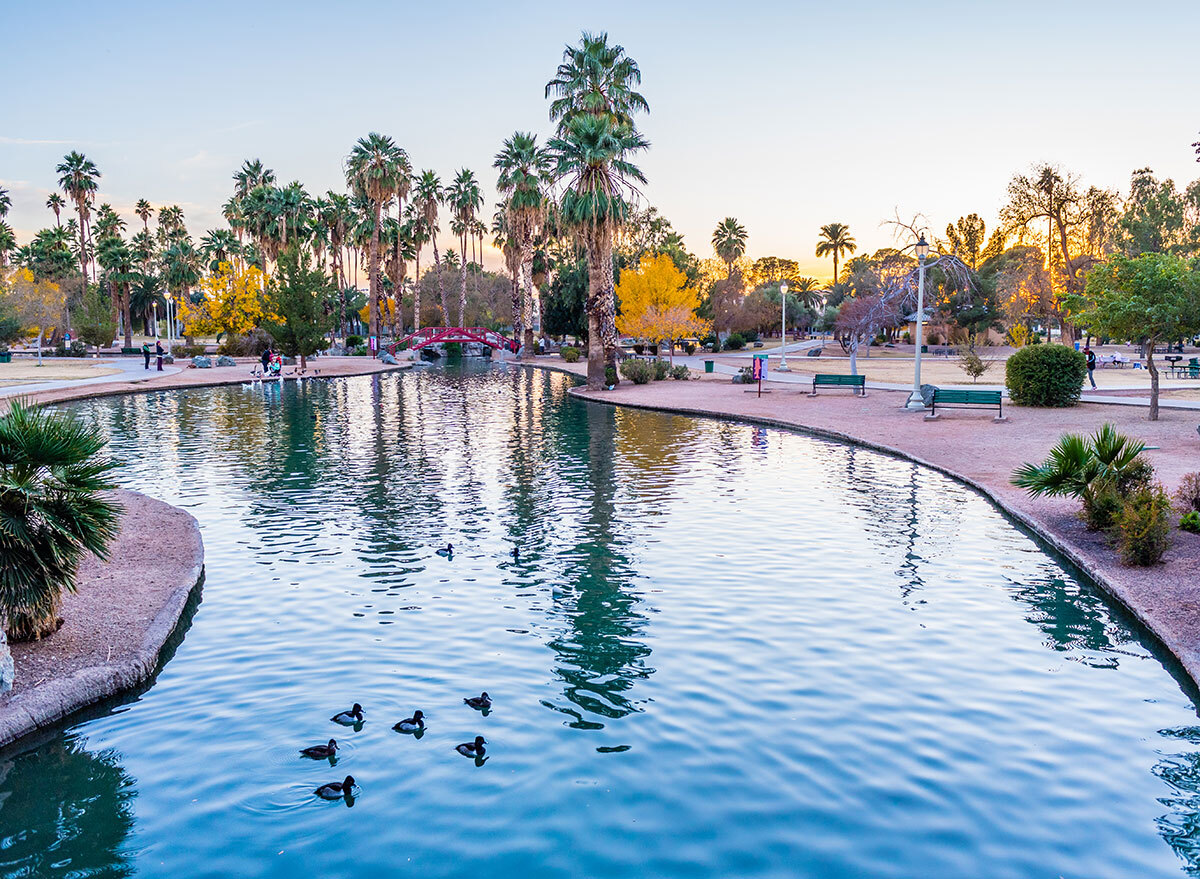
(116, 623)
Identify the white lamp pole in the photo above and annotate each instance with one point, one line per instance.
(783, 367)
(915, 400)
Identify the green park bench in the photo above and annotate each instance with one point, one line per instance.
(131, 350)
(953, 398)
(857, 383)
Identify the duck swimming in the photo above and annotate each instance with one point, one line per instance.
(473, 749)
(320, 752)
(335, 790)
(354, 715)
(411, 724)
(448, 552)
(482, 701)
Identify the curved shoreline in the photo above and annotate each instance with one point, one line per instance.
(1165, 600)
(117, 623)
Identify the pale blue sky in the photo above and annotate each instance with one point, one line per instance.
(785, 115)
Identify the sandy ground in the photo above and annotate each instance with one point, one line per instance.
(116, 623)
(969, 445)
(52, 369)
(319, 368)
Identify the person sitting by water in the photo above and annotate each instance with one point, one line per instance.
(276, 364)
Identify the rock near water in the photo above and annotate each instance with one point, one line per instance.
(202, 362)
(226, 360)
(388, 359)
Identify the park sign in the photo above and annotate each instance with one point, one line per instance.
(758, 369)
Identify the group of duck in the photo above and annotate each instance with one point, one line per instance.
(415, 726)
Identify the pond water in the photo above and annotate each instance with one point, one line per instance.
(723, 651)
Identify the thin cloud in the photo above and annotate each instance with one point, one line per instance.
(26, 141)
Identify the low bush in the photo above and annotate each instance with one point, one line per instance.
(662, 369)
(744, 376)
(453, 349)
(1187, 496)
(252, 344)
(610, 376)
(735, 342)
(355, 341)
(1143, 529)
(680, 373)
(77, 349)
(1046, 375)
(569, 354)
(637, 371)
(689, 348)
(197, 351)
(360, 351)
(1190, 522)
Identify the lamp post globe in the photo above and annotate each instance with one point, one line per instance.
(916, 401)
(783, 291)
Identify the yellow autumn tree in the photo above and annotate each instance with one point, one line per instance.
(231, 303)
(657, 304)
(37, 303)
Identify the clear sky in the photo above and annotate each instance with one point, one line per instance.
(785, 115)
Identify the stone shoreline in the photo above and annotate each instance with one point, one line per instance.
(968, 447)
(116, 623)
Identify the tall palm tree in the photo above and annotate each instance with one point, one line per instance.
(181, 269)
(594, 106)
(428, 195)
(418, 233)
(252, 173)
(503, 239)
(5, 202)
(807, 291)
(8, 244)
(379, 170)
(729, 241)
(465, 199)
(835, 240)
(591, 156)
(144, 211)
(597, 79)
(525, 175)
(117, 260)
(56, 203)
(55, 512)
(78, 177)
(217, 246)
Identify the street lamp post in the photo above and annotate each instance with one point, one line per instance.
(915, 400)
(783, 367)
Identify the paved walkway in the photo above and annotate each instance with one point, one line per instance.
(132, 370)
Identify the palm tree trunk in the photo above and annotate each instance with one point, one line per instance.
(462, 283)
(835, 270)
(516, 305)
(1153, 380)
(373, 278)
(608, 304)
(125, 315)
(7, 669)
(437, 265)
(527, 317)
(417, 292)
(595, 306)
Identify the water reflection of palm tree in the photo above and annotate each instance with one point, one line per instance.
(65, 811)
(1073, 616)
(601, 655)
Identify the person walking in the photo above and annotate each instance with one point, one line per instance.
(158, 350)
(1091, 364)
(146, 353)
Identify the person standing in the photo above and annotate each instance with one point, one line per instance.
(158, 350)
(266, 359)
(146, 353)
(1091, 364)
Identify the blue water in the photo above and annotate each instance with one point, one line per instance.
(725, 651)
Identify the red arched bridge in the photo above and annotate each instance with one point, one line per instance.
(433, 335)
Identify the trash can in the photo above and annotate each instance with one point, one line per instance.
(1076, 346)
(708, 365)
(5, 357)
(924, 349)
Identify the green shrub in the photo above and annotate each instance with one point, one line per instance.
(1046, 375)
(569, 354)
(680, 373)
(735, 342)
(78, 349)
(1190, 522)
(637, 371)
(1187, 496)
(360, 351)
(355, 341)
(453, 349)
(662, 369)
(750, 335)
(198, 351)
(52, 500)
(689, 348)
(610, 376)
(253, 344)
(1143, 530)
(744, 376)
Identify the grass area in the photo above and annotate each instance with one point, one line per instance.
(26, 371)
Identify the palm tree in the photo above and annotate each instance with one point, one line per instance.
(251, 174)
(503, 239)
(5, 202)
(8, 243)
(78, 178)
(56, 203)
(429, 194)
(835, 240)
(729, 241)
(181, 269)
(117, 261)
(594, 107)
(807, 291)
(591, 155)
(379, 170)
(418, 234)
(465, 199)
(597, 79)
(52, 484)
(523, 181)
(218, 246)
(144, 212)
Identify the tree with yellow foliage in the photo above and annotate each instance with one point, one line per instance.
(37, 303)
(657, 304)
(231, 304)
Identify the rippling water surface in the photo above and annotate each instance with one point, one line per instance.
(724, 651)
